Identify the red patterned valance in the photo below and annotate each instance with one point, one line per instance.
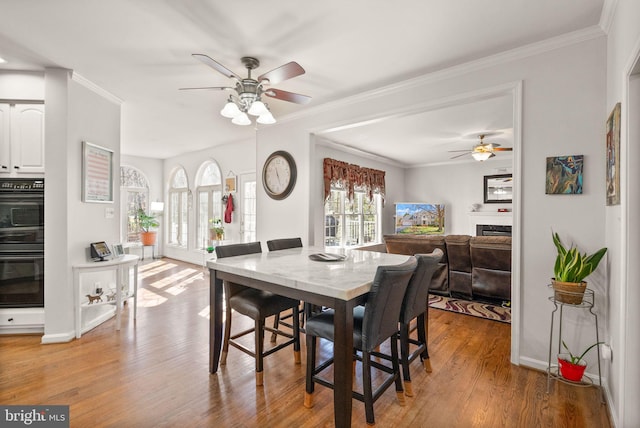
(349, 177)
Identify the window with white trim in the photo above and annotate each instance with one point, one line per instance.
(178, 208)
(351, 223)
(209, 193)
(134, 196)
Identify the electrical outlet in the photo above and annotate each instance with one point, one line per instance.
(605, 351)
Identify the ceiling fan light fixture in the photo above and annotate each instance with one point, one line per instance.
(481, 156)
(266, 118)
(241, 119)
(258, 108)
(230, 110)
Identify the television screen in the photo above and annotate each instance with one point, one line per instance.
(417, 218)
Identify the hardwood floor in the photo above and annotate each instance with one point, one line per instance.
(154, 373)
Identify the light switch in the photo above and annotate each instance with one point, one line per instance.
(108, 212)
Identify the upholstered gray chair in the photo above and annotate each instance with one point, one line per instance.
(373, 323)
(414, 306)
(257, 305)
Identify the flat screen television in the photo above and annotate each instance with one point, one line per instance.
(419, 218)
(100, 250)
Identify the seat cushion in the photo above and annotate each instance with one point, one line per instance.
(258, 304)
(321, 325)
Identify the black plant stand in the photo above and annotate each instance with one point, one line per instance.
(553, 371)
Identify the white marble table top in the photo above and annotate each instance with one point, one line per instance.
(344, 280)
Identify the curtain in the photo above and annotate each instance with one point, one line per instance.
(349, 176)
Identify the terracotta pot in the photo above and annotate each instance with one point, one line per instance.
(569, 292)
(570, 371)
(148, 238)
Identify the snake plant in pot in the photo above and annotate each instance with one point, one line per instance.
(570, 270)
(571, 366)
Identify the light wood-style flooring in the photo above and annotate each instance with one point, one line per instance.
(154, 373)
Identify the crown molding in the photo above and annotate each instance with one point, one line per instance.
(522, 52)
(95, 88)
(606, 17)
(324, 141)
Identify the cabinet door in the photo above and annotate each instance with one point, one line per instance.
(27, 138)
(5, 144)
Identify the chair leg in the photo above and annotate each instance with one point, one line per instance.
(259, 335)
(367, 388)
(276, 324)
(227, 335)
(396, 369)
(404, 359)
(423, 337)
(296, 334)
(311, 367)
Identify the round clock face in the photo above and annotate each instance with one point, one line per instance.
(279, 175)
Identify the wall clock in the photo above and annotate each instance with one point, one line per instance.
(279, 175)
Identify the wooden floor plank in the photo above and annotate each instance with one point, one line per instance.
(154, 373)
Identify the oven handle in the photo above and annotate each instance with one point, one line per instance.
(22, 256)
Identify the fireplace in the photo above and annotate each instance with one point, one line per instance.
(493, 230)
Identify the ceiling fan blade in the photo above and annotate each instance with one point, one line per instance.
(502, 149)
(216, 66)
(282, 73)
(287, 96)
(207, 88)
(459, 156)
(453, 151)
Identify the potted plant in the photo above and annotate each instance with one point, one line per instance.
(146, 222)
(210, 249)
(216, 230)
(570, 270)
(572, 367)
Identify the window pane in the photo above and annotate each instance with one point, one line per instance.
(351, 223)
(203, 220)
(174, 200)
(183, 219)
(211, 175)
(249, 212)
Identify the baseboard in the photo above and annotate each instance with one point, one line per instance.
(58, 338)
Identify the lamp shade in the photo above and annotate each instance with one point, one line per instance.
(481, 156)
(266, 118)
(230, 110)
(241, 119)
(258, 108)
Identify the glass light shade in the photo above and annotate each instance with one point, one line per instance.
(257, 108)
(241, 119)
(266, 118)
(481, 156)
(230, 110)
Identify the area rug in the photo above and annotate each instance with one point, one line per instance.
(476, 309)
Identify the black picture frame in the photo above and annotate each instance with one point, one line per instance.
(100, 250)
(498, 189)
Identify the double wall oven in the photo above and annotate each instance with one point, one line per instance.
(21, 243)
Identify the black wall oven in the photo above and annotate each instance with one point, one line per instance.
(21, 242)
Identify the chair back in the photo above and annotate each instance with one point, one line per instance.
(382, 309)
(415, 298)
(238, 249)
(283, 244)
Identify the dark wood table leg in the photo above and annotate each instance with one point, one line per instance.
(215, 320)
(343, 360)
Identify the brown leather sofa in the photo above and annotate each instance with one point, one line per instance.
(473, 267)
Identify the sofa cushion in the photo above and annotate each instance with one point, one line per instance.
(491, 261)
(459, 265)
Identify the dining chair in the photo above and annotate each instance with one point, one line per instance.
(415, 305)
(373, 323)
(257, 305)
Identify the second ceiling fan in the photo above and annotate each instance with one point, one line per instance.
(482, 151)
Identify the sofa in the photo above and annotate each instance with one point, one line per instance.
(472, 268)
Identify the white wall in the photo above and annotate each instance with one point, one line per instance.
(563, 114)
(74, 114)
(623, 49)
(234, 158)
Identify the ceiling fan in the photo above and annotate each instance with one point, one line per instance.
(248, 91)
(482, 151)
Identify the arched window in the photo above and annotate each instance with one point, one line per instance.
(209, 189)
(178, 208)
(134, 194)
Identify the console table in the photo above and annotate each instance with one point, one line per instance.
(121, 268)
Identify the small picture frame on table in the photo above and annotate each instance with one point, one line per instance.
(118, 251)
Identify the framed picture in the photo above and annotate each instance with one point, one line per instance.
(419, 218)
(564, 175)
(118, 251)
(498, 189)
(97, 173)
(230, 184)
(613, 157)
(99, 250)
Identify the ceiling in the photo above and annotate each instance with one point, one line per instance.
(140, 51)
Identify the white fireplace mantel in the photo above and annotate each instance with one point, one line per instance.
(489, 217)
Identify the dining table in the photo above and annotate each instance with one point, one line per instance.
(340, 280)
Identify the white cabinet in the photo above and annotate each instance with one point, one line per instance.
(21, 139)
